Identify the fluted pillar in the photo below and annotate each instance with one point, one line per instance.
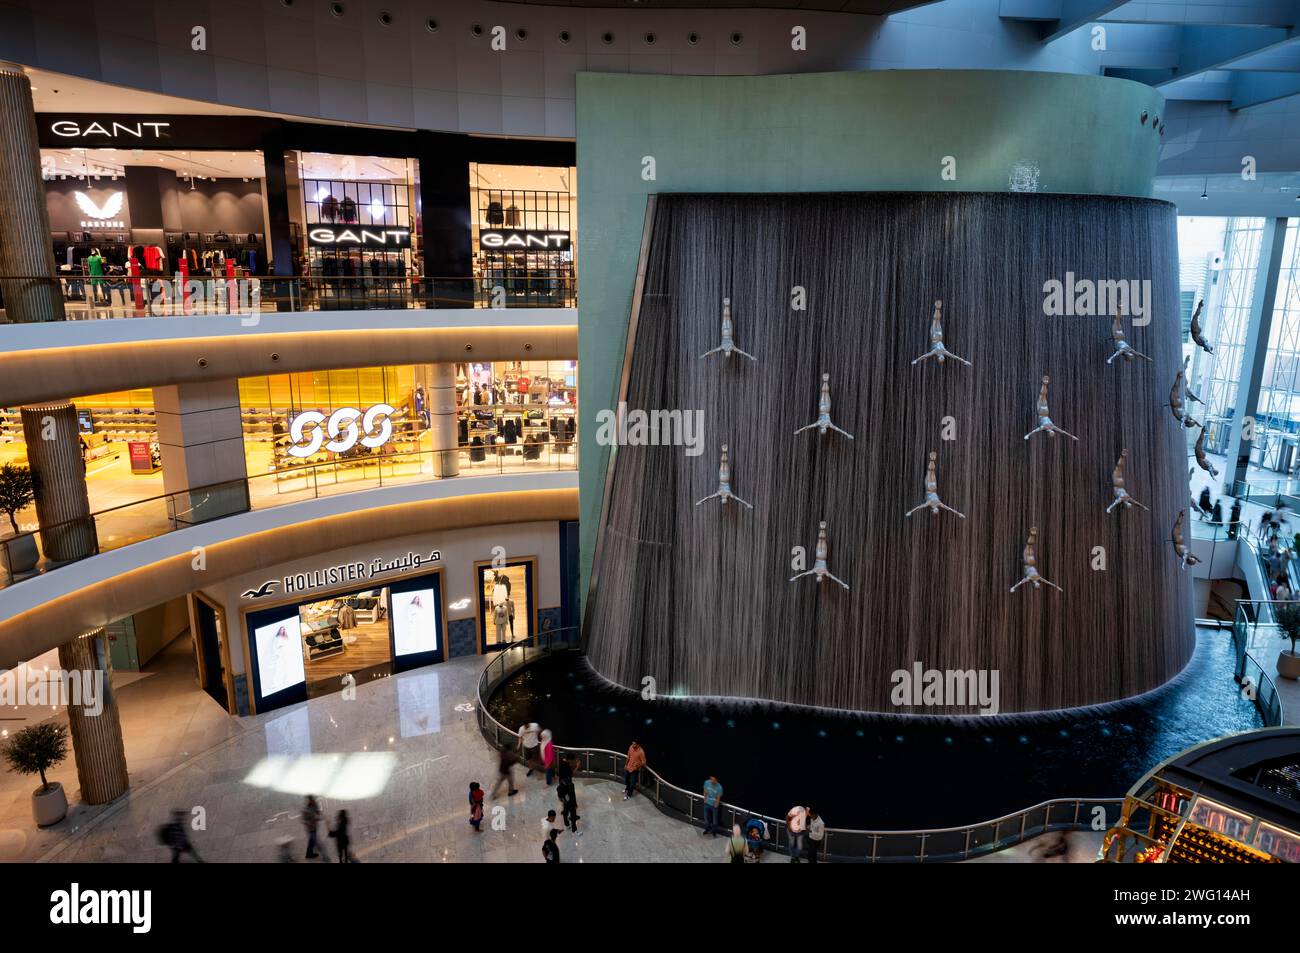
(27, 277)
(62, 505)
(94, 722)
(443, 421)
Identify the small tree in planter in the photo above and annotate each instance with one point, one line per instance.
(1288, 621)
(17, 491)
(34, 750)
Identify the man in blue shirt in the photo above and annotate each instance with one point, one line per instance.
(712, 802)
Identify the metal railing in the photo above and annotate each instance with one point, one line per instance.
(86, 297)
(47, 548)
(1251, 615)
(839, 844)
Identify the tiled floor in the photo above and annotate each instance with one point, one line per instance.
(399, 758)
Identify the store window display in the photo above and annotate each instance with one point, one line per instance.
(505, 603)
(518, 411)
(524, 234)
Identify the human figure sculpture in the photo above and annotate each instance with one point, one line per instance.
(1045, 424)
(724, 484)
(1185, 555)
(1197, 336)
(1122, 497)
(937, 350)
(1201, 460)
(819, 561)
(823, 421)
(728, 345)
(1176, 404)
(1122, 347)
(932, 501)
(1030, 562)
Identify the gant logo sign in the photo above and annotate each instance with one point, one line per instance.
(111, 129)
(358, 237)
(375, 428)
(508, 239)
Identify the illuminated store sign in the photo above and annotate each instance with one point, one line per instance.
(113, 129)
(100, 216)
(511, 239)
(343, 573)
(355, 236)
(342, 429)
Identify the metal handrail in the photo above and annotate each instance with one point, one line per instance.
(305, 471)
(1016, 822)
(1267, 701)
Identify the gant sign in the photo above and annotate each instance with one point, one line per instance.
(512, 239)
(356, 236)
(109, 128)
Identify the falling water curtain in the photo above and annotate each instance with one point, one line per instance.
(698, 598)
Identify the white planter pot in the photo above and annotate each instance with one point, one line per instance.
(49, 806)
(1288, 664)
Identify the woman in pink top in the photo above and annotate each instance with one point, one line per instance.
(548, 756)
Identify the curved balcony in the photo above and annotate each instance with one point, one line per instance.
(42, 611)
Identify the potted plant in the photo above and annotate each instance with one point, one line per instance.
(34, 750)
(18, 553)
(1288, 620)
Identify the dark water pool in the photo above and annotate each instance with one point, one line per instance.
(878, 772)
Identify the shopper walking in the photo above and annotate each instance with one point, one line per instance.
(568, 804)
(796, 822)
(737, 848)
(548, 755)
(342, 837)
(632, 769)
(505, 773)
(475, 806)
(1234, 519)
(1204, 504)
(528, 742)
(1216, 514)
(311, 817)
(550, 850)
(816, 834)
(175, 836)
(712, 803)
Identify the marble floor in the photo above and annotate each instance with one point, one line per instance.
(398, 757)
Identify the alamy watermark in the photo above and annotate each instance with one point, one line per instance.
(651, 428)
(1087, 297)
(951, 688)
(39, 688)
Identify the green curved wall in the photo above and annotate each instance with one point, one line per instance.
(820, 132)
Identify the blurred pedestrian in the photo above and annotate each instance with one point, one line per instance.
(548, 755)
(475, 806)
(550, 851)
(816, 834)
(1216, 515)
(632, 769)
(311, 816)
(175, 835)
(1234, 519)
(528, 741)
(737, 848)
(550, 823)
(505, 773)
(712, 803)
(796, 822)
(568, 804)
(342, 837)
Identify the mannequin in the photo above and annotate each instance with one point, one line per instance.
(501, 620)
